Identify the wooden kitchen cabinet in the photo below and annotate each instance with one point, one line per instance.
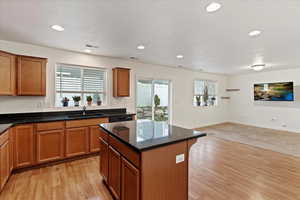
(23, 145)
(77, 141)
(7, 73)
(104, 159)
(121, 82)
(114, 176)
(31, 76)
(11, 149)
(94, 134)
(130, 181)
(4, 163)
(50, 145)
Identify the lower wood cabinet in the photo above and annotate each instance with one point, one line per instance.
(50, 145)
(104, 160)
(114, 172)
(4, 163)
(23, 146)
(130, 181)
(94, 134)
(77, 141)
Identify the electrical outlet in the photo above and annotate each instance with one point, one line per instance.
(179, 158)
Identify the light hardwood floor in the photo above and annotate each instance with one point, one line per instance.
(219, 170)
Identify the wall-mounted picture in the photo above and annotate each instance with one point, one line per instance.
(283, 91)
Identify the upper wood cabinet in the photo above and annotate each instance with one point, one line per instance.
(121, 82)
(7, 74)
(22, 75)
(31, 76)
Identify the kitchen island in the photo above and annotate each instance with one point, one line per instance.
(146, 160)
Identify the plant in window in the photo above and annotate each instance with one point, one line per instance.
(205, 96)
(198, 100)
(156, 101)
(76, 100)
(213, 100)
(99, 102)
(89, 100)
(65, 102)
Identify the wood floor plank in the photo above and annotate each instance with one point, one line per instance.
(219, 170)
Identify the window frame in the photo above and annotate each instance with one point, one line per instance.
(81, 67)
(216, 93)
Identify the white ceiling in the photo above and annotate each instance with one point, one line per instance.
(215, 42)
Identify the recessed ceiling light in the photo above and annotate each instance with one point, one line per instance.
(254, 33)
(258, 67)
(87, 50)
(57, 28)
(140, 47)
(179, 56)
(213, 7)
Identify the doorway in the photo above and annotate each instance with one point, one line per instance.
(153, 99)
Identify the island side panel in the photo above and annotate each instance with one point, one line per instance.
(161, 177)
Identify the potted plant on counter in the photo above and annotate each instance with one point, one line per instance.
(99, 102)
(65, 102)
(76, 100)
(89, 100)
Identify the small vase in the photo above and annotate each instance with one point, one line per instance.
(65, 103)
(198, 103)
(89, 103)
(99, 103)
(76, 103)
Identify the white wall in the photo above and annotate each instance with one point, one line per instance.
(184, 113)
(275, 115)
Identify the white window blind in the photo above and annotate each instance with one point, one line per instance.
(79, 81)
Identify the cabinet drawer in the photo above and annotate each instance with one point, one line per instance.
(126, 151)
(4, 137)
(85, 122)
(50, 126)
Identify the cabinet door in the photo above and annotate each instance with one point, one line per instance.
(4, 163)
(103, 159)
(77, 141)
(11, 149)
(114, 176)
(50, 145)
(130, 181)
(7, 74)
(31, 76)
(121, 82)
(23, 146)
(94, 142)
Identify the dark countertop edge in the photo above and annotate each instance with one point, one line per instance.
(8, 126)
(154, 146)
(53, 119)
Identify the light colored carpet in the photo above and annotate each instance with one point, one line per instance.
(275, 140)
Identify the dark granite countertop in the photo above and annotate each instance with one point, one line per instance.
(146, 134)
(8, 120)
(4, 127)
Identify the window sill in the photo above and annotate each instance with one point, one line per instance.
(73, 108)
